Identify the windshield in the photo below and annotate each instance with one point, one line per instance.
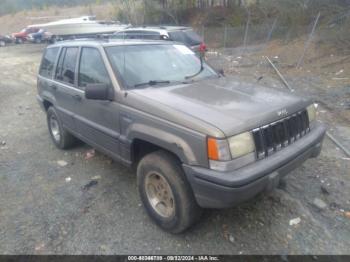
(138, 64)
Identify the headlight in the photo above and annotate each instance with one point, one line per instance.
(311, 112)
(241, 144)
(234, 147)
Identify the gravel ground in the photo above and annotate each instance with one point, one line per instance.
(49, 204)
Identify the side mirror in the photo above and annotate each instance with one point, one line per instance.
(98, 92)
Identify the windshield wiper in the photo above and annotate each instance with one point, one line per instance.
(153, 83)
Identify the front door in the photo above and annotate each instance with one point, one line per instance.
(96, 121)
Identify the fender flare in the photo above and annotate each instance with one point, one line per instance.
(160, 138)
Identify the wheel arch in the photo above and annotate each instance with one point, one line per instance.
(141, 148)
(47, 104)
(146, 139)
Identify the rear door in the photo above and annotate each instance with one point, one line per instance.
(96, 121)
(65, 88)
(46, 72)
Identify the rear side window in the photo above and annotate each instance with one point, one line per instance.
(48, 62)
(188, 37)
(127, 35)
(92, 69)
(152, 35)
(65, 71)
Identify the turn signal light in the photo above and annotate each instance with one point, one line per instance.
(218, 149)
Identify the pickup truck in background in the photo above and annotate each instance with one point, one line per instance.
(21, 37)
(42, 36)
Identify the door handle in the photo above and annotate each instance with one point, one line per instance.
(77, 97)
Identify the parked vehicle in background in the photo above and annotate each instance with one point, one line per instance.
(5, 39)
(185, 35)
(40, 36)
(86, 26)
(21, 36)
(197, 139)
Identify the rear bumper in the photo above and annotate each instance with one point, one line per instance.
(215, 189)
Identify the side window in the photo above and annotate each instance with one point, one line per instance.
(92, 69)
(152, 35)
(124, 35)
(132, 35)
(58, 72)
(48, 62)
(66, 65)
(119, 35)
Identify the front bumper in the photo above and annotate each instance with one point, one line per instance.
(215, 189)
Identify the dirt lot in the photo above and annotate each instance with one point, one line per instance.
(48, 204)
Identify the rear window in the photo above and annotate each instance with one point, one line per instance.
(188, 37)
(48, 62)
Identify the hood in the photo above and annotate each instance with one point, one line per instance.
(226, 103)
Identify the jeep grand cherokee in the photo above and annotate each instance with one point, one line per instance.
(196, 138)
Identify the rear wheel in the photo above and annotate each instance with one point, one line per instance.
(166, 193)
(61, 137)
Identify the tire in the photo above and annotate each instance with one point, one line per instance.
(183, 209)
(19, 41)
(37, 41)
(63, 139)
(2, 43)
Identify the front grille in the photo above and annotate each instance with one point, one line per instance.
(275, 136)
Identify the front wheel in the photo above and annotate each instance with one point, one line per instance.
(166, 193)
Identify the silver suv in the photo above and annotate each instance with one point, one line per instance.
(197, 139)
(181, 34)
